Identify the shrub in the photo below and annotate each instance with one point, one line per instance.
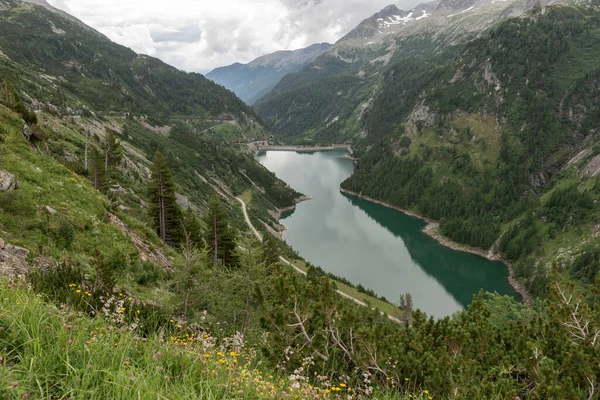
(15, 203)
(64, 235)
(149, 274)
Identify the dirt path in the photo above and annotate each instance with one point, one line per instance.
(285, 261)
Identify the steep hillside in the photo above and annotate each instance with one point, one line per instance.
(97, 303)
(502, 143)
(82, 86)
(71, 65)
(254, 80)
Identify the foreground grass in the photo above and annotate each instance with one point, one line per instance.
(49, 352)
(55, 353)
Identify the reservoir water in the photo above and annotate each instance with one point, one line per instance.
(369, 244)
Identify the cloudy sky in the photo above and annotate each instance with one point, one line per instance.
(199, 35)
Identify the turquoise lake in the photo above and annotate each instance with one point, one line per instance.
(369, 244)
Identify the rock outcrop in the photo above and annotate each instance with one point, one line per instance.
(8, 182)
(156, 256)
(13, 260)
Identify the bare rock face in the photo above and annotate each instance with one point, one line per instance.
(183, 201)
(146, 253)
(8, 182)
(13, 260)
(593, 167)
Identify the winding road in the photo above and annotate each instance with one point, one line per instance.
(285, 261)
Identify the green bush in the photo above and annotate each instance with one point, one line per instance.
(16, 203)
(149, 274)
(64, 235)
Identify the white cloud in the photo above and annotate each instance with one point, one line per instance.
(203, 34)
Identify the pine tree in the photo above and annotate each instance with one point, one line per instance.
(218, 236)
(269, 251)
(164, 211)
(97, 172)
(193, 228)
(112, 150)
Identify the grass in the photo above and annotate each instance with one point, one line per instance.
(49, 352)
(247, 197)
(78, 226)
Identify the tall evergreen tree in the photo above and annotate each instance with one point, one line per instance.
(193, 228)
(219, 237)
(97, 172)
(164, 211)
(269, 251)
(112, 150)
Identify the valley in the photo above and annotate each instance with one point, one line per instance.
(290, 229)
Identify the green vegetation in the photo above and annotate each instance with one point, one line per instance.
(109, 310)
(82, 65)
(498, 179)
(164, 211)
(219, 238)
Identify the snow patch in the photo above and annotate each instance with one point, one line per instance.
(3, 55)
(425, 15)
(394, 20)
(467, 10)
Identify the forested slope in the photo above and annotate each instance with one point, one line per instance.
(74, 60)
(502, 138)
(99, 303)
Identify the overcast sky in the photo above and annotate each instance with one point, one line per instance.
(199, 35)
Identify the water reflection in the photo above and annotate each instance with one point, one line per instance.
(378, 247)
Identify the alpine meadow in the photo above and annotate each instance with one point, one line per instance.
(157, 243)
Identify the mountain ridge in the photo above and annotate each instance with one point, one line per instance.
(253, 80)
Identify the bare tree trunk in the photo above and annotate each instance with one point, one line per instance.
(186, 303)
(87, 145)
(215, 256)
(188, 266)
(161, 214)
(106, 153)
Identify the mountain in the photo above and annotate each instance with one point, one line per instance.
(77, 60)
(500, 139)
(339, 84)
(253, 80)
(481, 115)
(73, 86)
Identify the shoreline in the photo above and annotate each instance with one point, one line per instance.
(305, 149)
(431, 230)
(278, 212)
